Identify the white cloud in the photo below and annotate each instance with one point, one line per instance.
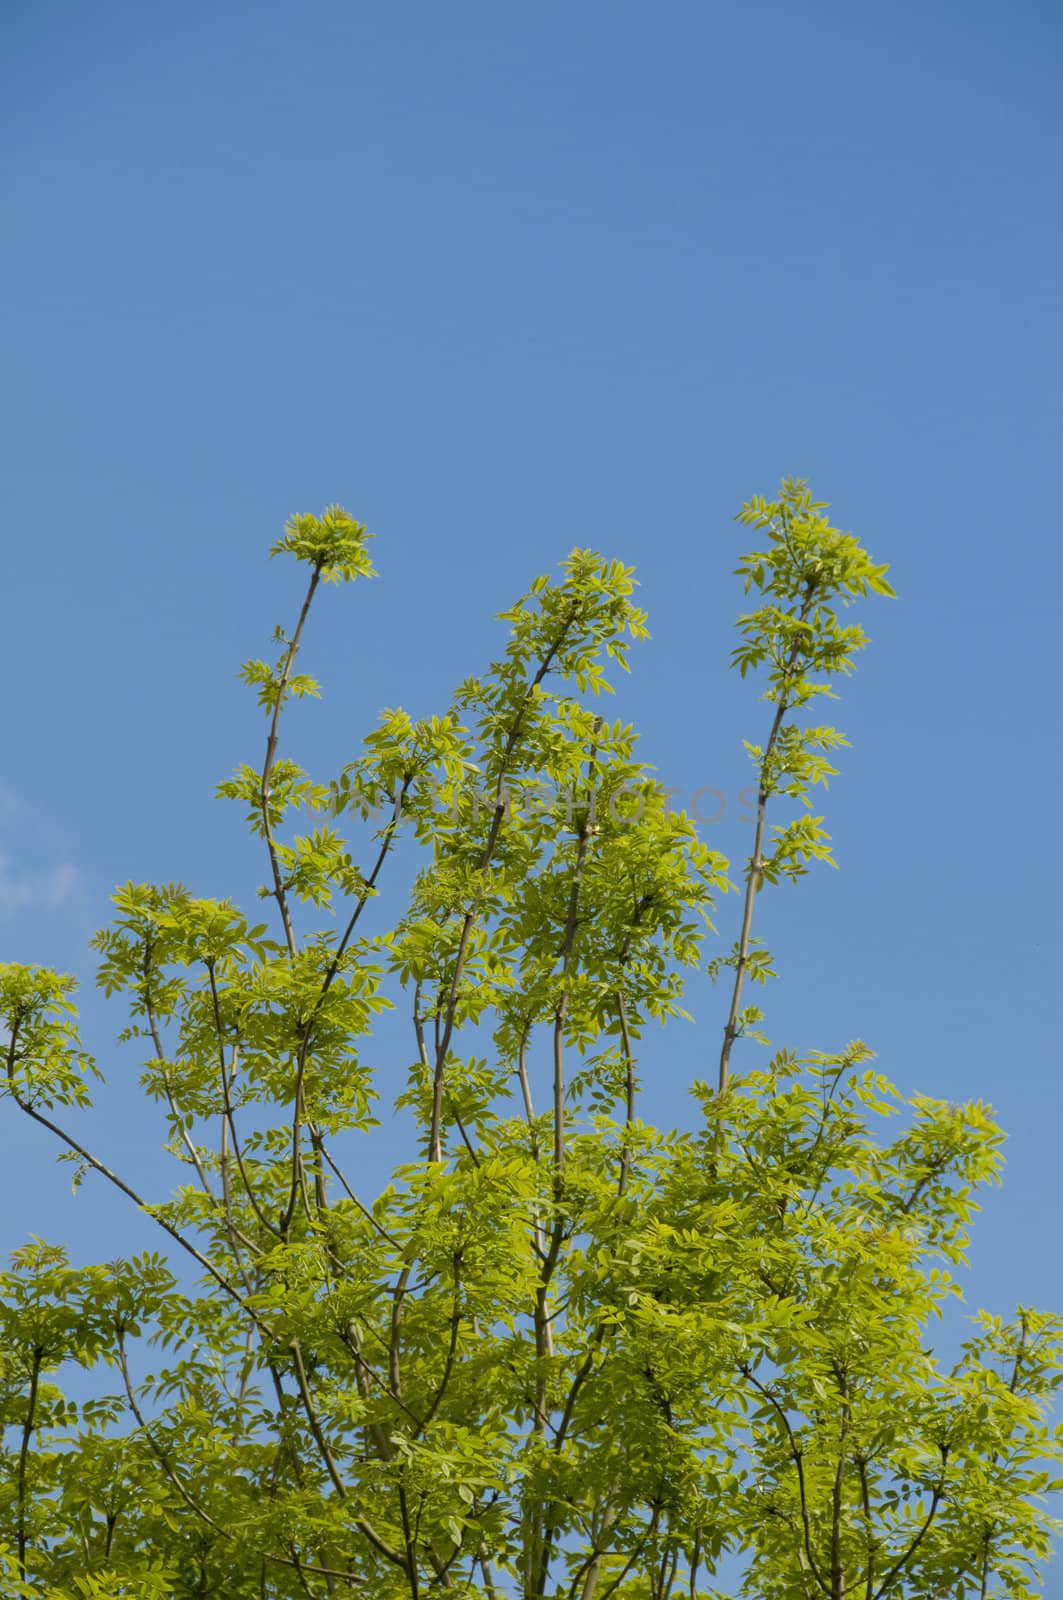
(52, 889)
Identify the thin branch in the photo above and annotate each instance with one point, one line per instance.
(398, 1296)
(448, 1366)
(629, 1105)
(366, 1213)
(156, 1449)
(669, 1567)
(228, 1074)
(142, 1205)
(651, 1529)
(869, 1527)
(23, 1455)
(583, 1373)
(525, 1086)
(422, 1051)
(435, 1152)
(756, 864)
(935, 1500)
(798, 1459)
(362, 1523)
(837, 1576)
(317, 1570)
(160, 1056)
(408, 1537)
(564, 955)
(642, 905)
(280, 892)
(368, 885)
(299, 1105)
(315, 1424)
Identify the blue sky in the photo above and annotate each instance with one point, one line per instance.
(504, 280)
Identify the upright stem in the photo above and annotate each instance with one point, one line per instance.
(987, 1541)
(167, 1083)
(629, 1094)
(279, 889)
(435, 1139)
(754, 873)
(837, 1571)
(23, 1456)
(568, 941)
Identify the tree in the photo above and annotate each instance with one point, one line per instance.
(563, 1353)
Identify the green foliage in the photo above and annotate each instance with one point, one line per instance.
(43, 1061)
(334, 545)
(563, 1353)
(808, 570)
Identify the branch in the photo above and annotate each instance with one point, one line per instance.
(935, 1501)
(448, 1366)
(366, 1213)
(318, 1571)
(156, 1449)
(629, 1106)
(23, 1456)
(754, 872)
(837, 1576)
(160, 1055)
(869, 1527)
(280, 892)
(163, 1459)
(564, 955)
(333, 968)
(487, 855)
(315, 1425)
(590, 1587)
(227, 1077)
(798, 1460)
(142, 1205)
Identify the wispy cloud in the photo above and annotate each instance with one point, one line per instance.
(49, 889)
(36, 874)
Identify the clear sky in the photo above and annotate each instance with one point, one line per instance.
(504, 279)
